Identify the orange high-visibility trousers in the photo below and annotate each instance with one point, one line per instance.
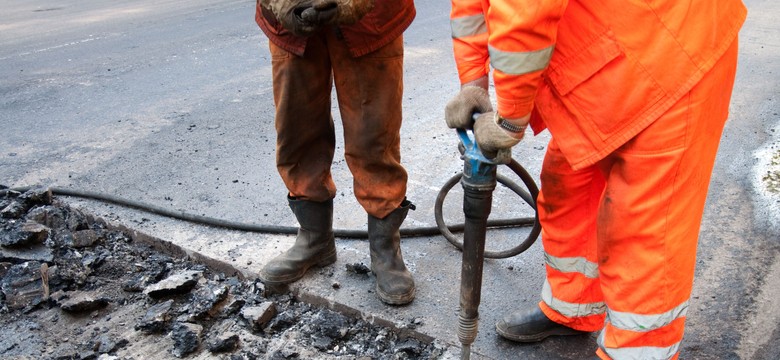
(620, 236)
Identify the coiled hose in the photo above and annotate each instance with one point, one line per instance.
(440, 229)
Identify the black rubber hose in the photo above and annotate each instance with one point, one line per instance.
(261, 228)
(529, 198)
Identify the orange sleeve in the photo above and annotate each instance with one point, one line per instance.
(518, 44)
(521, 42)
(469, 39)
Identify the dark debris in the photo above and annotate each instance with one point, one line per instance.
(110, 285)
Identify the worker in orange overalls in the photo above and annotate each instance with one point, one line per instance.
(358, 45)
(635, 95)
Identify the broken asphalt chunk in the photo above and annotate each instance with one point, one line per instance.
(20, 254)
(232, 305)
(156, 319)
(24, 202)
(83, 301)
(27, 233)
(206, 301)
(358, 268)
(330, 324)
(176, 284)
(281, 322)
(223, 343)
(85, 238)
(22, 285)
(260, 315)
(186, 338)
(14, 210)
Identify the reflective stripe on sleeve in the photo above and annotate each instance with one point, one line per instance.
(640, 352)
(642, 323)
(468, 26)
(573, 264)
(569, 309)
(518, 63)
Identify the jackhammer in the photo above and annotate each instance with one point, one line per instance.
(479, 179)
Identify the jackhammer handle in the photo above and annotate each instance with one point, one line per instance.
(468, 147)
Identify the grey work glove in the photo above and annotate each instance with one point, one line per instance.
(470, 100)
(491, 137)
(304, 17)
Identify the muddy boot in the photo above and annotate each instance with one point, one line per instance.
(531, 325)
(314, 246)
(394, 283)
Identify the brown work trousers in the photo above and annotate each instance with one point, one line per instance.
(369, 92)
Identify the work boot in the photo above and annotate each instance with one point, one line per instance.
(531, 325)
(315, 244)
(394, 283)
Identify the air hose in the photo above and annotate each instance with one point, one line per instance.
(440, 229)
(528, 196)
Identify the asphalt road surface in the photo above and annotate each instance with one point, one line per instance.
(169, 102)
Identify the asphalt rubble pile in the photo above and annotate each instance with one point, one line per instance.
(72, 288)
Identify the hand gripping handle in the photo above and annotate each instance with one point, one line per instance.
(469, 148)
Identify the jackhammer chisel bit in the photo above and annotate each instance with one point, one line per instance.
(478, 181)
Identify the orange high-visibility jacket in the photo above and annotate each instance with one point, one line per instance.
(594, 72)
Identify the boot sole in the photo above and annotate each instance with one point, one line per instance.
(389, 299)
(531, 338)
(287, 279)
(401, 299)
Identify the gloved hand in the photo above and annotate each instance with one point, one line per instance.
(304, 17)
(322, 13)
(470, 100)
(491, 136)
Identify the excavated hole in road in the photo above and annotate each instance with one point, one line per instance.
(73, 288)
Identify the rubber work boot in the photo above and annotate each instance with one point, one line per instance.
(314, 245)
(531, 325)
(394, 283)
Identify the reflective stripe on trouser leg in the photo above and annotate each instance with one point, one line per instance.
(571, 310)
(305, 138)
(369, 90)
(663, 328)
(567, 206)
(649, 220)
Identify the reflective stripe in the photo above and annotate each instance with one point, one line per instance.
(573, 264)
(642, 323)
(639, 353)
(518, 63)
(570, 309)
(468, 26)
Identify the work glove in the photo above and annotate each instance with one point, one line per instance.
(491, 136)
(470, 100)
(320, 15)
(304, 17)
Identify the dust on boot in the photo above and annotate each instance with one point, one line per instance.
(315, 244)
(394, 283)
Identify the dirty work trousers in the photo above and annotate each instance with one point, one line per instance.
(620, 236)
(369, 92)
